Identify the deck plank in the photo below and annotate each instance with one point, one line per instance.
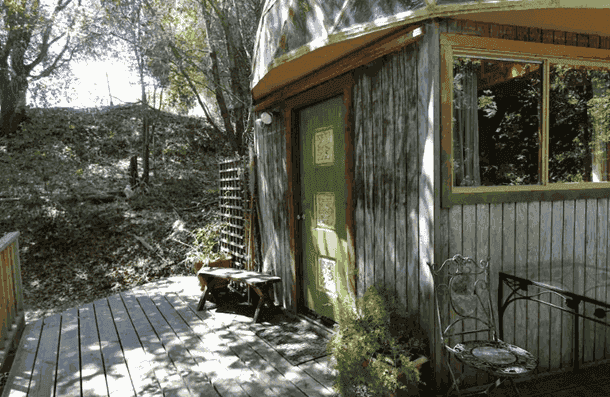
(18, 383)
(43, 377)
(307, 385)
(305, 382)
(137, 360)
(266, 373)
(68, 363)
(196, 381)
(216, 349)
(213, 352)
(185, 332)
(299, 378)
(117, 375)
(320, 370)
(93, 379)
(165, 371)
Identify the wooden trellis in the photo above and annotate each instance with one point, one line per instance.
(234, 209)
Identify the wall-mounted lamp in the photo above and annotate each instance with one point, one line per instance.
(266, 118)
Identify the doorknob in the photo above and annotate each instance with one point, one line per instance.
(302, 216)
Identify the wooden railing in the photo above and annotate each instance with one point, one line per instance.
(12, 317)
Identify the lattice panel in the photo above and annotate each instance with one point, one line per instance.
(233, 206)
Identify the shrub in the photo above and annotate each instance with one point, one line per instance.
(373, 348)
(205, 247)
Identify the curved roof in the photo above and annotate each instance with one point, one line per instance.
(303, 29)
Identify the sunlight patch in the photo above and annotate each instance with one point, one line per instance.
(178, 226)
(96, 169)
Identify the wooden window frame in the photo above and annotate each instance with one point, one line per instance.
(458, 44)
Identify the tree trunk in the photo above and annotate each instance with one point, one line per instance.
(145, 143)
(133, 172)
(216, 80)
(145, 150)
(12, 104)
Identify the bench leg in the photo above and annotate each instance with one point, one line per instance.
(203, 298)
(265, 295)
(258, 308)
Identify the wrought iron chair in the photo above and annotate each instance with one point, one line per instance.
(461, 286)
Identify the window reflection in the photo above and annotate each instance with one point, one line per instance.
(496, 122)
(579, 123)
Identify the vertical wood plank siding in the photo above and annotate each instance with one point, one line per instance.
(564, 243)
(386, 205)
(273, 184)
(395, 124)
(400, 225)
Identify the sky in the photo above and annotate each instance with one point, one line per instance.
(90, 88)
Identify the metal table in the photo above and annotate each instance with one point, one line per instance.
(521, 288)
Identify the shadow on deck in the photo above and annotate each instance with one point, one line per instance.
(151, 341)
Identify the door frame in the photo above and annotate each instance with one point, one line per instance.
(342, 85)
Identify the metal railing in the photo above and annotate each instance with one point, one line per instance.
(519, 289)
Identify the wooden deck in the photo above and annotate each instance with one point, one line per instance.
(151, 341)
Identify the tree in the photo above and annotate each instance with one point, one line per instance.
(216, 62)
(37, 40)
(132, 23)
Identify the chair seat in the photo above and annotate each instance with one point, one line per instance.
(496, 357)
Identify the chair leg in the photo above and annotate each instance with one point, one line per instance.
(515, 386)
(493, 386)
(456, 383)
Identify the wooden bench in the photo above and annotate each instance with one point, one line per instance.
(261, 283)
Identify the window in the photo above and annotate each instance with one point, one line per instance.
(528, 121)
(496, 122)
(578, 123)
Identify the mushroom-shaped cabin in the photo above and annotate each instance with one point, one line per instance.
(395, 133)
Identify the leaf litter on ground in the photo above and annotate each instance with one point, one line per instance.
(74, 251)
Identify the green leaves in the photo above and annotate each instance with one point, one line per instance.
(373, 346)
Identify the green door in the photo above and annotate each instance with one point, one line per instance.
(323, 199)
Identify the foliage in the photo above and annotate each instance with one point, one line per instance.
(38, 40)
(373, 347)
(208, 43)
(74, 250)
(579, 119)
(510, 110)
(205, 246)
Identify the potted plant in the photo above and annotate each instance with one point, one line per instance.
(376, 351)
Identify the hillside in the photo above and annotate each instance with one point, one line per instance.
(64, 176)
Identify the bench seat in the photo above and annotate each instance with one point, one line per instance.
(261, 283)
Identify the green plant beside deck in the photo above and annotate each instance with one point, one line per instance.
(377, 351)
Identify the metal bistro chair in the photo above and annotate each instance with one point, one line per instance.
(464, 286)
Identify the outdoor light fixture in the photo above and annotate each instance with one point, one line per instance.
(266, 118)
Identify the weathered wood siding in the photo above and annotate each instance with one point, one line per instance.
(395, 102)
(270, 141)
(564, 243)
(386, 176)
